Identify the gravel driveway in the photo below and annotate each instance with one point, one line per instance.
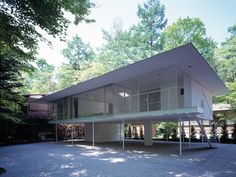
(108, 160)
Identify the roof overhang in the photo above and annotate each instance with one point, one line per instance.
(186, 57)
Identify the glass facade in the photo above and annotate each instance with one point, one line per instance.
(157, 91)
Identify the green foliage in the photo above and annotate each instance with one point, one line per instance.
(224, 131)
(141, 132)
(117, 52)
(20, 23)
(226, 67)
(213, 129)
(193, 132)
(192, 30)
(78, 53)
(229, 98)
(152, 21)
(226, 58)
(129, 133)
(167, 129)
(123, 47)
(65, 76)
(91, 71)
(11, 100)
(41, 80)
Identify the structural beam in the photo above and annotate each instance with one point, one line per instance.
(180, 138)
(56, 132)
(189, 134)
(72, 134)
(93, 133)
(202, 131)
(120, 132)
(123, 142)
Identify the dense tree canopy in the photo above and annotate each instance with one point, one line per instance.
(149, 30)
(41, 80)
(78, 53)
(19, 36)
(192, 30)
(226, 67)
(65, 76)
(20, 23)
(123, 47)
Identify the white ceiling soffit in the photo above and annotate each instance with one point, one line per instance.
(186, 57)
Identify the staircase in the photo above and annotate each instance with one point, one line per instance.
(204, 134)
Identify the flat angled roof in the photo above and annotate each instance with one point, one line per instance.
(183, 57)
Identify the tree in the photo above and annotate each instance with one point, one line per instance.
(78, 53)
(234, 133)
(41, 80)
(193, 133)
(117, 51)
(65, 76)
(168, 129)
(129, 134)
(224, 131)
(148, 32)
(226, 67)
(21, 22)
(213, 129)
(192, 30)
(226, 57)
(93, 70)
(141, 132)
(123, 47)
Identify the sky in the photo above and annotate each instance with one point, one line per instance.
(217, 15)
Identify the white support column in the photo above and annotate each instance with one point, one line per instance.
(138, 96)
(123, 143)
(114, 99)
(120, 133)
(93, 133)
(202, 131)
(104, 97)
(148, 133)
(72, 134)
(189, 134)
(180, 139)
(56, 132)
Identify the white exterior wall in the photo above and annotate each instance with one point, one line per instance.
(103, 132)
(201, 98)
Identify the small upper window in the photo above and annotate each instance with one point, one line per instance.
(182, 91)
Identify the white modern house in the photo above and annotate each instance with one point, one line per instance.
(176, 85)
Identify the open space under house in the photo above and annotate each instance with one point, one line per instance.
(174, 86)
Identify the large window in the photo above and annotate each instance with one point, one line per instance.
(60, 110)
(76, 104)
(150, 100)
